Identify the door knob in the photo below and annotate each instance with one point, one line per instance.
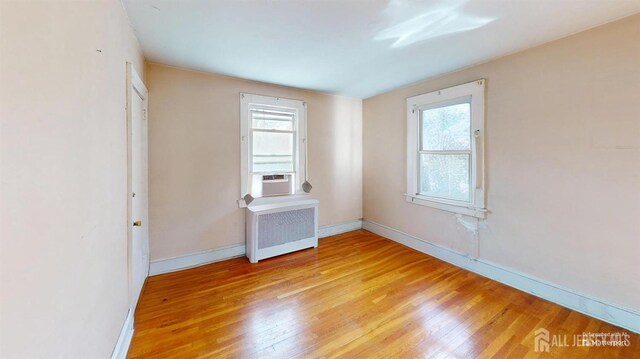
(137, 224)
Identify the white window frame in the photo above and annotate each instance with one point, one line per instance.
(247, 101)
(473, 93)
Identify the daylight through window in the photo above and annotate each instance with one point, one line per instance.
(444, 166)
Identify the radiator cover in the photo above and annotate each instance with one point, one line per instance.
(282, 227)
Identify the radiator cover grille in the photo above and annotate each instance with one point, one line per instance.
(284, 227)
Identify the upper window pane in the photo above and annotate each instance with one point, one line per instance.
(447, 128)
(272, 120)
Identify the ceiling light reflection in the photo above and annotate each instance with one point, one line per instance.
(428, 25)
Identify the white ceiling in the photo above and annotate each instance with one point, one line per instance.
(357, 48)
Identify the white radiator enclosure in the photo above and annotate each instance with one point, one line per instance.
(281, 227)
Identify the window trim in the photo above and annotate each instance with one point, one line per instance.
(474, 93)
(248, 100)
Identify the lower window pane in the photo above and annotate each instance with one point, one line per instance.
(445, 176)
(272, 152)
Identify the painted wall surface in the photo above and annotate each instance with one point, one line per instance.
(562, 164)
(194, 158)
(63, 177)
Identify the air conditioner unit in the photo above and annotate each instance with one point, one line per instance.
(281, 227)
(276, 185)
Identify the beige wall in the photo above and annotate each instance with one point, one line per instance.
(194, 158)
(563, 163)
(63, 179)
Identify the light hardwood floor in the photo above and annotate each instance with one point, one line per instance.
(358, 295)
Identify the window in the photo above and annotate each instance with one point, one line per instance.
(445, 149)
(272, 145)
(272, 140)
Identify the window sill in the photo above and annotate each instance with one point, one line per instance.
(467, 211)
(273, 200)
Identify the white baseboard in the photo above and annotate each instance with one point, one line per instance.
(332, 230)
(622, 317)
(124, 340)
(161, 266)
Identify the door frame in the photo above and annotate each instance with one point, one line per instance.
(135, 87)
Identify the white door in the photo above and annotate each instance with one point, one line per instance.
(139, 213)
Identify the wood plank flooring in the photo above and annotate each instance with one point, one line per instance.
(358, 295)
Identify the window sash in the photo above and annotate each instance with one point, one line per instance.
(421, 191)
(270, 120)
(264, 113)
(272, 115)
(441, 104)
(270, 130)
(421, 151)
(444, 152)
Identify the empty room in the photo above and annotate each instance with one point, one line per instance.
(319, 179)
